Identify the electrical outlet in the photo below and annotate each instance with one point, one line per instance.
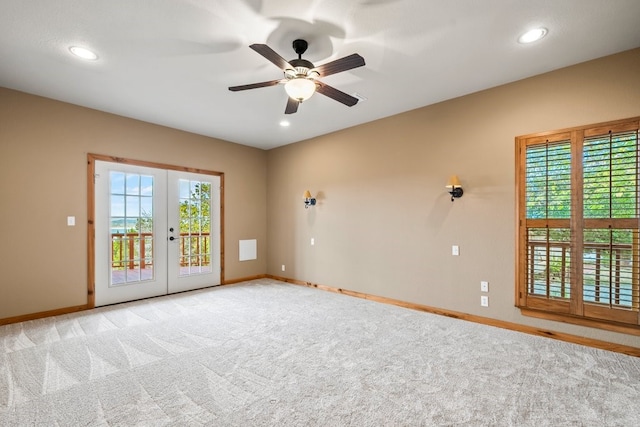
(282, 267)
(484, 286)
(71, 221)
(455, 250)
(313, 241)
(484, 301)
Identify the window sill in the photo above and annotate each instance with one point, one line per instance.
(582, 321)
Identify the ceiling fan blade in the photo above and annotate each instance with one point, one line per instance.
(336, 94)
(339, 65)
(254, 85)
(272, 56)
(292, 105)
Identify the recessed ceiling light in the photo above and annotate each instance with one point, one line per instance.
(533, 35)
(284, 123)
(84, 53)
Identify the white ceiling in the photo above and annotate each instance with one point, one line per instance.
(170, 62)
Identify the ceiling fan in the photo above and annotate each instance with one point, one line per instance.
(301, 76)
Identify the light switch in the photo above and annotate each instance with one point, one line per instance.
(71, 221)
(455, 250)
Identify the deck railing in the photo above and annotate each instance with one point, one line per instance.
(612, 269)
(129, 250)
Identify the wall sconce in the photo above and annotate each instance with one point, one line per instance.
(308, 200)
(454, 187)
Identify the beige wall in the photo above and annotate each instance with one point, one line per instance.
(384, 224)
(43, 168)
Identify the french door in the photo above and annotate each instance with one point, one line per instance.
(157, 231)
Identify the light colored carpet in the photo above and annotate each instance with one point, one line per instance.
(265, 353)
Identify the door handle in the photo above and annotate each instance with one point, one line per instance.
(172, 238)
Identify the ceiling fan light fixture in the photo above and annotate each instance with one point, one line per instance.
(300, 76)
(300, 88)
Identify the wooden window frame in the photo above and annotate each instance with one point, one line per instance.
(572, 310)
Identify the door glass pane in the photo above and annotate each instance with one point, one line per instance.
(131, 222)
(195, 227)
(146, 185)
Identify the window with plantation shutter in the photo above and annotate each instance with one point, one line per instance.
(578, 224)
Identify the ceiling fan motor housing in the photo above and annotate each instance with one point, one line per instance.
(301, 63)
